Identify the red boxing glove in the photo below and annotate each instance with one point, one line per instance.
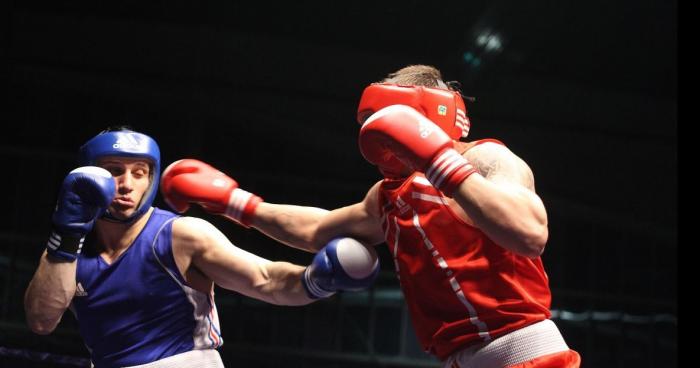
(392, 168)
(406, 134)
(193, 181)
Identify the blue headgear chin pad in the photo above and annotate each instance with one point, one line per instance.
(126, 143)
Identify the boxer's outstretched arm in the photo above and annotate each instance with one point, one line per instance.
(199, 245)
(310, 228)
(190, 181)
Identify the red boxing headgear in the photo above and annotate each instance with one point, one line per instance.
(443, 107)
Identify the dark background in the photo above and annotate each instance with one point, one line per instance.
(585, 92)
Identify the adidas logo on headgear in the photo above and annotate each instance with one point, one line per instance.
(127, 142)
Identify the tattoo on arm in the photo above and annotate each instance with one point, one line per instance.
(487, 165)
(497, 163)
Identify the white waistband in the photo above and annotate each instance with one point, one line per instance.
(519, 346)
(195, 358)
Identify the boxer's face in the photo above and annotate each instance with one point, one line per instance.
(132, 177)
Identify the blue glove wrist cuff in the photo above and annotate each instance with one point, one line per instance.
(313, 290)
(64, 247)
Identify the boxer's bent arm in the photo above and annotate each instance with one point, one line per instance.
(197, 243)
(502, 201)
(49, 294)
(310, 228)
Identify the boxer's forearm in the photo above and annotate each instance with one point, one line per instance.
(49, 294)
(283, 285)
(311, 228)
(295, 226)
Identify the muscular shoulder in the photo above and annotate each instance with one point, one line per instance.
(497, 163)
(192, 233)
(372, 198)
(370, 204)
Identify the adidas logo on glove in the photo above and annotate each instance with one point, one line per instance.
(425, 129)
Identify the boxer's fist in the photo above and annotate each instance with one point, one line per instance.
(85, 194)
(416, 141)
(343, 264)
(193, 181)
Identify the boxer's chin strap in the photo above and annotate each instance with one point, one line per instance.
(457, 87)
(141, 209)
(107, 216)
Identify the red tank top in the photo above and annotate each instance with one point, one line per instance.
(461, 287)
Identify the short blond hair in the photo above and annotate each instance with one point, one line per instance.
(415, 75)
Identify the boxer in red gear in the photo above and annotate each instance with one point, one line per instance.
(462, 220)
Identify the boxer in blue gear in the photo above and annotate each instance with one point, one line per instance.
(142, 291)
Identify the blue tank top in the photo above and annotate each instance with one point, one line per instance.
(139, 309)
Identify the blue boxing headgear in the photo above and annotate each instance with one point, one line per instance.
(125, 143)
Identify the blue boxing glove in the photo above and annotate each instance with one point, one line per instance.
(343, 264)
(85, 194)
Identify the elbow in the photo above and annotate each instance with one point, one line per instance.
(528, 243)
(41, 327)
(39, 322)
(535, 241)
